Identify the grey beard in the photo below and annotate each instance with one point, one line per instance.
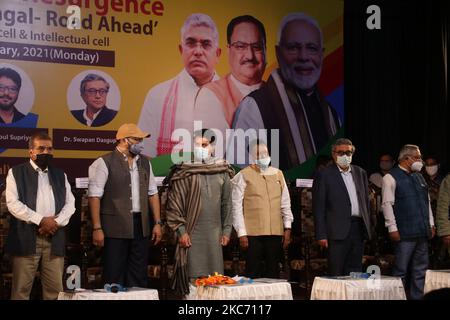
(300, 82)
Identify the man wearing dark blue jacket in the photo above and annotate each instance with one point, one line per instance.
(409, 219)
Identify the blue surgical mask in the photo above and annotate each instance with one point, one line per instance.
(136, 148)
(344, 161)
(263, 163)
(201, 153)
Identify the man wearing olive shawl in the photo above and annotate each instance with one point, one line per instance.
(198, 208)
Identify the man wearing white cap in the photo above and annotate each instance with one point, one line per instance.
(122, 189)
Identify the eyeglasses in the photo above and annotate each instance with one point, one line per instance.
(293, 48)
(193, 43)
(43, 148)
(3, 89)
(93, 92)
(341, 153)
(243, 46)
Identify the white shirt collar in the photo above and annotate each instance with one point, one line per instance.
(89, 121)
(36, 168)
(345, 172)
(243, 88)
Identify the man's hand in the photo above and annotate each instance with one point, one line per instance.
(98, 238)
(224, 240)
(156, 233)
(323, 243)
(433, 232)
(243, 242)
(185, 241)
(45, 234)
(446, 241)
(48, 226)
(395, 236)
(286, 238)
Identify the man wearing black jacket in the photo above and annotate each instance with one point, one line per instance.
(41, 203)
(341, 210)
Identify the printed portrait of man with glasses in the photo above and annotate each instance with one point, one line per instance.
(10, 82)
(16, 99)
(94, 92)
(170, 105)
(217, 101)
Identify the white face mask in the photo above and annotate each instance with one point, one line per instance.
(201, 153)
(417, 166)
(263, 163)
(432, 170)
(344, 161)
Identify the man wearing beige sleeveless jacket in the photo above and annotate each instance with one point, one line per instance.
(262, 213)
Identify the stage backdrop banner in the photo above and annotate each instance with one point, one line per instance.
(78, 69)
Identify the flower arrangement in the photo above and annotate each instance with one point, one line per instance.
(216, 279)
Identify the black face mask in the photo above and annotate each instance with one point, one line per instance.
(43, 160)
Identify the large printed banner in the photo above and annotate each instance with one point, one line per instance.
(81, 68)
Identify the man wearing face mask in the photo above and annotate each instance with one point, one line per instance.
(409, 219)
(434, 179)
(340, 198)
(198, 209)
(375, 182)
(122, 189)
(385, 165)
(262, 213)
(41, 202)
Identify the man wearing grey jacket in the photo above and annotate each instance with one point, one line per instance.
(122, 190)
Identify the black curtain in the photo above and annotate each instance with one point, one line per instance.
(395, 79)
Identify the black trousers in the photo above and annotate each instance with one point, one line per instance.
(345, 256)
(263, 256)
(125, 260)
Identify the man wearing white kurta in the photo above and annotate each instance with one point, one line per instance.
(262, 213)
(170, 105)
